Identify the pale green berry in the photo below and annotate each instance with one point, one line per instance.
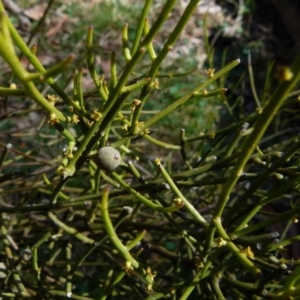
(108, 158)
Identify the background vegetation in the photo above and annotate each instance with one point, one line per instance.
(205, 201)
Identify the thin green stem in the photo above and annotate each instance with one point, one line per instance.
(139, 30)
(178, 193)
(150, 48)
(193, 93)
(72, 231)
(141, 198)
(12, 92)
(112, 234)
(251, 77)
(160, 143)
(241, 256)
(125, 43)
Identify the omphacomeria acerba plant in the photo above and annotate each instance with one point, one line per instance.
(153, 226)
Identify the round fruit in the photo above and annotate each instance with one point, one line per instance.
(108, 158)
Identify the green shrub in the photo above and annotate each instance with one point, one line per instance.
(195, 217)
